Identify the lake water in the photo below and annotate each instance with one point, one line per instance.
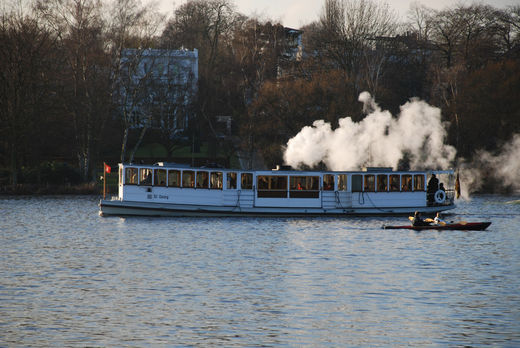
(71, 278)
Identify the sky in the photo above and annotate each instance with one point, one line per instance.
(296, 13)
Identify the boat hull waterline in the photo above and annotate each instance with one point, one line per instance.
(467, 226)
(120, 208)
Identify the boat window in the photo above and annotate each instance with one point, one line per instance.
(279, 182)
(382, 183)
(131, 176)
(418, 182)
(145, 176)
(202, 180)
(357, 183)
(272, 186)
(231, 181)
(120, 175)
(263, 182)
(301, 183)
(215, 180)
(188, 178)
(174, 178)
(342, 182)
(246, 181)
(304, 187)
(406, 182)
(394, 183)
(370, 183)
(160, 177)
(328, 182)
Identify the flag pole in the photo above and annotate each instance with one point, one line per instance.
(104, 180)
(457, 185)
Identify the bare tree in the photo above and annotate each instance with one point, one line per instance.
(258, 50)
(351, 35)
(478, 35)
(132, 25)
(201, 24)
(78, 25)
(132, 95)
(208, 26)
(507, 24)
(420, 21)
(27, 71)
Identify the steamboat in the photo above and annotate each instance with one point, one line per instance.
(168, 189)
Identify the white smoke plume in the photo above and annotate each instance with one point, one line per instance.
(503, 168)
(378, 140)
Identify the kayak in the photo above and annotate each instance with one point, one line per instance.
(465, 226)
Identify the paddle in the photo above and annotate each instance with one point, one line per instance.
(441, 223)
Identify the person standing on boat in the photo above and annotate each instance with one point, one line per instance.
(418, 220)
(433, 186)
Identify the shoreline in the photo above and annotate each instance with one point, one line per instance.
(39, 190)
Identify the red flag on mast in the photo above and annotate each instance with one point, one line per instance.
(106, 169)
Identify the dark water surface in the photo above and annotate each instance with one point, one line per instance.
(71, 278)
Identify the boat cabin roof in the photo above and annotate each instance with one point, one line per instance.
(285, 170)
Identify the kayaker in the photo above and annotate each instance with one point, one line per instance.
(438, 221)
(418, 220)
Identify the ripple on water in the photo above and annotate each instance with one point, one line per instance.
(69, 277)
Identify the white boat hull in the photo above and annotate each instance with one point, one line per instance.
(119, 208)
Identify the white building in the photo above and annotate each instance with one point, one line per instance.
(158, 86)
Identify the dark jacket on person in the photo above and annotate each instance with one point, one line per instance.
(433, 185)
(418, 221)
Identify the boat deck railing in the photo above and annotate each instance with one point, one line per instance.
(450, 197)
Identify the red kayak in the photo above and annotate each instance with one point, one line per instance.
(465, 226)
